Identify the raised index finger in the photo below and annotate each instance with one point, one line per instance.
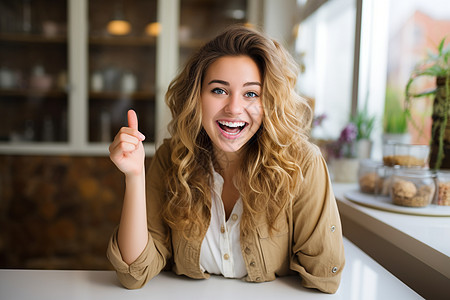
(132, 119)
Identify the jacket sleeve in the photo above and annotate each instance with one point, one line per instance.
(158, 249)
(317, 245)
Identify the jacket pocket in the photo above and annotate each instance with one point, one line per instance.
(186, 255)
(275, 246)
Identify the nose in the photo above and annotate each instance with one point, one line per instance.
(234, 104)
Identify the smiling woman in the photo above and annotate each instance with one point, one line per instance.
(238, 190)
(231, 106)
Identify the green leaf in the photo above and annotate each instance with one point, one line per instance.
(441, 46)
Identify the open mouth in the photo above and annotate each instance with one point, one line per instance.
(232, 128)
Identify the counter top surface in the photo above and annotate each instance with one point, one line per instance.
(415, 248)
(432, 231)
(362, 278)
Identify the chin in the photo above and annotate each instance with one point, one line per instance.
(230, 147)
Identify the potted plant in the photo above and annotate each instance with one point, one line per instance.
(364, 123)
(342, 155)
(436, 65)
(395, 121)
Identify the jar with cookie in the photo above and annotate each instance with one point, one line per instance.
(443, 187)
(369, 177)
(412, 187)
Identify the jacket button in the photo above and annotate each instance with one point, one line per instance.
(334, 270)
(226, 257)
(234, 217)
(252, 264)
(333, 228)
(247, 250)
(258, 278)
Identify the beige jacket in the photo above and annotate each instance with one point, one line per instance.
(314, 233)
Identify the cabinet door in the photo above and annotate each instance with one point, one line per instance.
(122, 58)
(202, 20)
(33, 71)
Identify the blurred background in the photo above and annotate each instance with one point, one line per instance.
(69, 71)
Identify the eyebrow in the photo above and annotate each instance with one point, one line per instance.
(228, 84)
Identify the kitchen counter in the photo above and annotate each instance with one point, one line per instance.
(414, 248)
(362, 278)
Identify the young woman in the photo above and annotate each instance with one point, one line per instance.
(238, 189)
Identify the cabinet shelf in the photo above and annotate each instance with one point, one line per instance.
(192, 43)
(27, 93)
(122, 41)
(32, 38)
(140, 95)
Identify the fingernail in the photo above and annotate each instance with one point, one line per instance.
(141, 136)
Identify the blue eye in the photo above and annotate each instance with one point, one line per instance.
(251, 95)
(218, 91)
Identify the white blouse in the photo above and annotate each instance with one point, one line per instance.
(221, 248)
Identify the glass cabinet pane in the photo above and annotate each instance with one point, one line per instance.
(122, 57)
(33, 71)
(202, 20)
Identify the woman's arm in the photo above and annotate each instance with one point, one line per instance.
(127, 153)
(317, 239)
(158, 249)
(133, 234)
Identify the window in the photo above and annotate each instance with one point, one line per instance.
(415, 27)
(325, 42)
(344, 71)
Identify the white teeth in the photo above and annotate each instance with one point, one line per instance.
(232, 124)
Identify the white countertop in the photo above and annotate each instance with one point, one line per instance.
(429, 230)
(418, 246)
(362, 278)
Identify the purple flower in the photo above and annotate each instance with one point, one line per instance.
(349, 133)
(317, 121)
(345, 145)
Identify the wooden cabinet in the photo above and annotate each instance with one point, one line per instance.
(33, 71)
(202, 20)
(69, 70)
(122, 66)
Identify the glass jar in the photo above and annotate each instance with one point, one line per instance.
(412, 187)
(386, 177)
(405, 155)
(368, 176)
(388, 153)
(443, 186)
(411, 155)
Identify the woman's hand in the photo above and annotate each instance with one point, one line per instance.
(127, 151)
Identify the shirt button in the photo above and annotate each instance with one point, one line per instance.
(234, 217)
(334, 270)
(222, 229)
(252, 264)
(247, 250)
(226, 257)
(333, 228)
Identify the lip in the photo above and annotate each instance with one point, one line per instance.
(232, 136)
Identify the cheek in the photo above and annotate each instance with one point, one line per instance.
(208, 110)
(256, 112)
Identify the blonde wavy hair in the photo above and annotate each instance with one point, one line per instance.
(270, 174)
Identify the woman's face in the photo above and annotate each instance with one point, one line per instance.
(231, 105)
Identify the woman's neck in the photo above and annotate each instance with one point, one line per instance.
(228, 163)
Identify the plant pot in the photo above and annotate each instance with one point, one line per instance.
(345, 169)
(364, 148)
(438, 117)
